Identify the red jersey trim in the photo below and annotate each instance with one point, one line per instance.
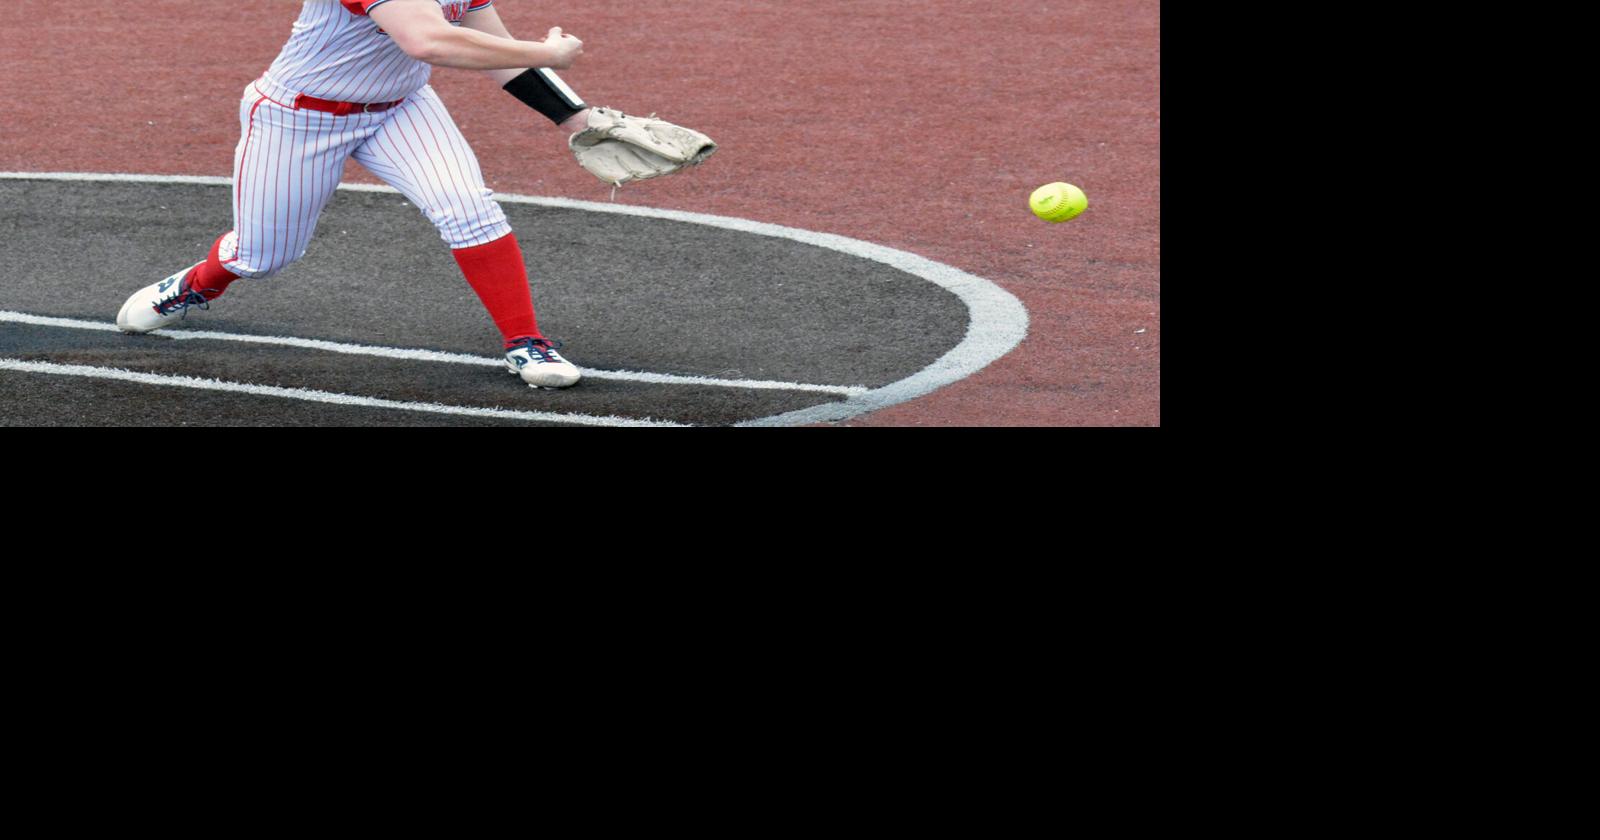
(361, 7)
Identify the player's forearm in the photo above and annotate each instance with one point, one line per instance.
(488, 21)
(502, 76)
(469, 49)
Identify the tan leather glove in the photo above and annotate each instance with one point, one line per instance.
(617, 148)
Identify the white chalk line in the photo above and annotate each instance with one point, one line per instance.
(997, 321)
(421, 355)
(310, 395)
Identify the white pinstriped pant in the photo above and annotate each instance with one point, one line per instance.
(289, 161)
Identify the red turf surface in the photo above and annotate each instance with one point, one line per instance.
(919, 125)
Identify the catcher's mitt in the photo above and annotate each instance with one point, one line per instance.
(617, 148)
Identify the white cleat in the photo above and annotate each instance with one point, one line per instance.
(159, 304)
(539, 365)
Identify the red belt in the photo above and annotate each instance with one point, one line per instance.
(340, 109)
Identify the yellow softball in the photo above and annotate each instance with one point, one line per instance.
(1058, 202)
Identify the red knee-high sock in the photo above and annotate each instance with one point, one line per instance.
(211, 278)
(496, 272)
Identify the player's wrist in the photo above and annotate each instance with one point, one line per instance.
(577, 122)
(541, 54)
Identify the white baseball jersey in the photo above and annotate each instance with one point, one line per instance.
(289, 160)
(337, 52)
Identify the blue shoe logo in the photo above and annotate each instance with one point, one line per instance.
(166, 284)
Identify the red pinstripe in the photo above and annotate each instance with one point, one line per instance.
(271, 183)
(433, 163)
(300, 198)
(238, 178)
(477, 210)
(467, 213)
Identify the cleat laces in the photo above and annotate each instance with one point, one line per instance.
(542, 350)
(180, 301)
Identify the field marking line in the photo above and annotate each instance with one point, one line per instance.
(421, 355)
(997, 322)
(310, 395)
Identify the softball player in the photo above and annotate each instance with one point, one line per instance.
(352, 82)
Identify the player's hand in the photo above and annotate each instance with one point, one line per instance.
(567, 48)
